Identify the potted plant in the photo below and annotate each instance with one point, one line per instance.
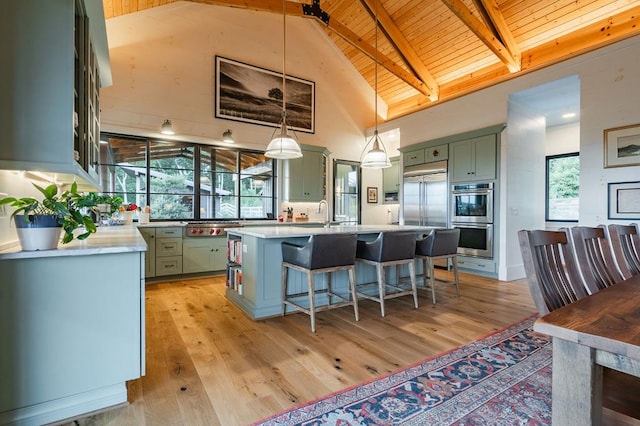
(39, 223)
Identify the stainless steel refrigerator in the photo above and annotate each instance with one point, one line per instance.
(426, 195)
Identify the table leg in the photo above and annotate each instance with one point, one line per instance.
(577, 385)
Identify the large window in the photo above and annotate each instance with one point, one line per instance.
(563, 187)
(183, 181)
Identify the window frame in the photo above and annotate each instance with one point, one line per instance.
(549, 158)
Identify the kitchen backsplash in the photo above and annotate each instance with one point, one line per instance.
(14, 184)
(301, 209)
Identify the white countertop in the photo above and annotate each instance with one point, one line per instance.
(108, 239)
(299, 231)
(167, 224)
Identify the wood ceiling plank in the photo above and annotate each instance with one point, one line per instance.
(500, 25)
(401, 44)
(483, 33)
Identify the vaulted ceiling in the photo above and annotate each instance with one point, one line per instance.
(429, 51)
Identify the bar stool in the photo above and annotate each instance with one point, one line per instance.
(390, 248)
(439, 244)
(322, 253)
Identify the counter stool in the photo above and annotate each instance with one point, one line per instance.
(439, 244)
(389, 248)
(322, 253)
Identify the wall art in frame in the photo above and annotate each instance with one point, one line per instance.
(624, 200)
(252, 94)
(622, 146)
(372, 194)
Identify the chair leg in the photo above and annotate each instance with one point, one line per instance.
(381, 286)
(414, 285)
(432, 280)
(284, 288)
(329, 289)
(312, 302)
(352, 286)
(425, 271)
(455, 274)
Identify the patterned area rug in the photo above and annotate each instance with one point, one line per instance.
(501, 379)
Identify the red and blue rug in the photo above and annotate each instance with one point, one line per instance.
(501, 379)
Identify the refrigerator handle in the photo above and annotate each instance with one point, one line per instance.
(422, 201)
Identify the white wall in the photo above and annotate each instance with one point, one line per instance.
(562, 139)
(14, 184)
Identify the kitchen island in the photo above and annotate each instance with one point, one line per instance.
(254, 274)
(71, 325)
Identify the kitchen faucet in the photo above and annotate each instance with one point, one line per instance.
(326, 216)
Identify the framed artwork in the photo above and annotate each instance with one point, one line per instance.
(624, 200)
(372, 194)
(622, 146)
(252, 94)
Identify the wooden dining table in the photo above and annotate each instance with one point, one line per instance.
(600, 330)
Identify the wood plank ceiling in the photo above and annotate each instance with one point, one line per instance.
(430, 51)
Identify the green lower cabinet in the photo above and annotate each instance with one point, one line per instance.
(149, 235)
(203, 255)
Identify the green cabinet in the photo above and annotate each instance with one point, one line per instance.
(49, 109)
(149, 235)
(473, 159)
(168, 251)
(306, 177)
(412, 158)
(436, 153)
(391, 182)
(203, 254)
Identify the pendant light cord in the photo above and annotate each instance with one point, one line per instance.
(375, 13)
(284, 62)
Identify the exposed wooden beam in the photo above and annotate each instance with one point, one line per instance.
(483, 33)
(296, 9)
(402, 45)
(490, 7)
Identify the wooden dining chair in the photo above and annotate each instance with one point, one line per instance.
(626, 248)
(593, 254)
(551, 270)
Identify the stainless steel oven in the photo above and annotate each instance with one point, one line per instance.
(472, 202)
(476, 239)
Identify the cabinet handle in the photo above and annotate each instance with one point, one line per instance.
(168, 247)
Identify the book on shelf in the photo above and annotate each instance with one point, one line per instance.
(234, 278)
(234, 251)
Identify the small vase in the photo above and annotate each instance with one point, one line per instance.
(127, 217)
(143, 217)
(40, 232)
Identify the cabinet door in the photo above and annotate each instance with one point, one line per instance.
(461, 165)
(414, 157)
(436, 153)
(149, 235)
(307, 177)
(485, 157)
(203, 255)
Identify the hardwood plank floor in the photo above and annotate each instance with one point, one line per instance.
(209, 364)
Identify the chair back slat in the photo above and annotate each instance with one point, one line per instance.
(551, 270)
(593, 254)
(626, 248)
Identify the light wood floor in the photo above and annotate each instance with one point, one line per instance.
(209, 364)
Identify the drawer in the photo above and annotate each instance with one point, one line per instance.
(477, 263)
(437, 153)
(414, 157)
(168, 247)
(173, 232)
(171, 265)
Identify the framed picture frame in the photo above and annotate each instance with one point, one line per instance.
(372, 194)
(624, 200)
(252, 94)
(622, 146)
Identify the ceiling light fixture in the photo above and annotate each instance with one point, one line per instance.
(569, 115)
(167, 128)
(377, 157)
(283, 145)
(227, 137)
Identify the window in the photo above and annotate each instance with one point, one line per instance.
(346, 192)
(184, 181)
(562, 187)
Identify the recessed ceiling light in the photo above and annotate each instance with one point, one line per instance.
(569, 115)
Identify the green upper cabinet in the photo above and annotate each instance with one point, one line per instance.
(436, 153)
(473, 159)
(306, 177)
(412, 158)
(391, 182)
(58, 60)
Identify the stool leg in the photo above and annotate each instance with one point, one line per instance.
(425, 269)
(455, 273)
(432, 280)
(329, 289)
(381, 286)
(352, 286)
(312, 302)
(414, 285)
(284, 288)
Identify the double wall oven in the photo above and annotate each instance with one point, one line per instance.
(472, 213)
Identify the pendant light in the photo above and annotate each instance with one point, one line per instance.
(283, 145)
(377, 157)
(227, 137)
